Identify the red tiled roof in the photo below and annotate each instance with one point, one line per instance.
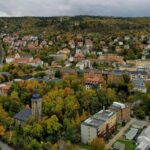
(92, 80)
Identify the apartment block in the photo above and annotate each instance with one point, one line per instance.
(101, 124)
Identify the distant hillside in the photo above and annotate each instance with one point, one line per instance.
(103, 25)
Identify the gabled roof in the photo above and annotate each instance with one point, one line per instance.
(23, 115)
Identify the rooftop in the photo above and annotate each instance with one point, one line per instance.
(36, 96)
(117, 105)
(131, 133)
(23, 115)
(139, 83)
(99, 118)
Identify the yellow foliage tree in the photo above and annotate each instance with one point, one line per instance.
(2, 130)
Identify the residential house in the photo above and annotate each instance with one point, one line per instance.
(88, 43)
(65, 51)
(92, 81)
(79, 56)
(24, 59)
(58, 57)
(110, 58)
(105, 49)
(84, 64)
(140, 63)
(4, 88)
(80, 43)
(72, 44)
(138, 74)
(139, 85)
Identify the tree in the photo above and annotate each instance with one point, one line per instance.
(140, 113)
(58, 74)
(2, 130)
(37, 130)
(71, 105)
(98, 144)
(34, 144)
(52, 125)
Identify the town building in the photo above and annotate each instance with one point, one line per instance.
(122, 111)
(4, 88)
(79, 56)
(110, 58)
(138, 74)
(35, 110)
(140, 63)
(139, 85)
(101, 124)
(24, 59)
(92, 81)
(84, 64)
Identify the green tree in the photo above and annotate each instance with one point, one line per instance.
(52, 125)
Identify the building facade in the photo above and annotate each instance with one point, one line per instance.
(101, 124)
(122, 111)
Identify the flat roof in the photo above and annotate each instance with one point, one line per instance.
(131, 133)
(99, 118)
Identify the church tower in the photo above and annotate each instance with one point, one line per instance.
(36, 103)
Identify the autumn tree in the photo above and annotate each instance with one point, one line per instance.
(98, 144)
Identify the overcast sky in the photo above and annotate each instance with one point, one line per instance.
(125, 8)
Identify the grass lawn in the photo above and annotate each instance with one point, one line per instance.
(128, 144)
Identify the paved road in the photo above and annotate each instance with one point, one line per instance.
(120, 133)
(4, 146)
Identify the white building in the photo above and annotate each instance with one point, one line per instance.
(101, 124)
(143, 141)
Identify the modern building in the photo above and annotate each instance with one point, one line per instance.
(122, 111)
(35, 110)
(101, 124)
(143, 141)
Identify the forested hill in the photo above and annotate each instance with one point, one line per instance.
(82, 24)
